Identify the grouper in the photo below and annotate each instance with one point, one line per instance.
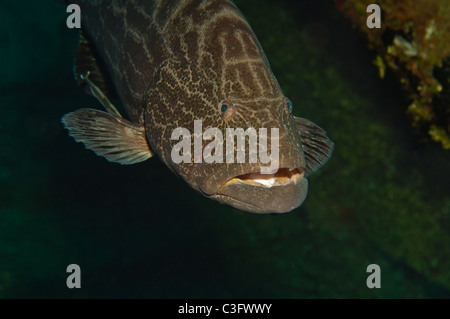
(174, 64)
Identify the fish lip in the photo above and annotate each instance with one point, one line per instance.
(274, 200)
(219, 173)
(282, 177)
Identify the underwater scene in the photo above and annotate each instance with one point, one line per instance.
(382, 196)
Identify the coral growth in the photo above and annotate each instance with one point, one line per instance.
(413, 42)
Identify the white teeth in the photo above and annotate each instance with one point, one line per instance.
(266, 182)
(282, 178)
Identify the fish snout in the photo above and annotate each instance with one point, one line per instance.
(254, 199)
(275, 187)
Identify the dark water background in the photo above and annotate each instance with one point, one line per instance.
(139, 231)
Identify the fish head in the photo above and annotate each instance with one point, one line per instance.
(267, 175)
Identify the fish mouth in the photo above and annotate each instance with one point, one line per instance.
(259, 193)
(210, 178)
(243, 186)
(283, 177)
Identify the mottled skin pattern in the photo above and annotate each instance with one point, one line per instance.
(175, 61)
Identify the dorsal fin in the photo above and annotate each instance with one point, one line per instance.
(87, 60)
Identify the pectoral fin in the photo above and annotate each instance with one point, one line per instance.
(112, 137)
(316, 144)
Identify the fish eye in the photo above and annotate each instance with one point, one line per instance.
(289, 106)
(226, 109)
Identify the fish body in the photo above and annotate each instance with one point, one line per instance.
(175, 63)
